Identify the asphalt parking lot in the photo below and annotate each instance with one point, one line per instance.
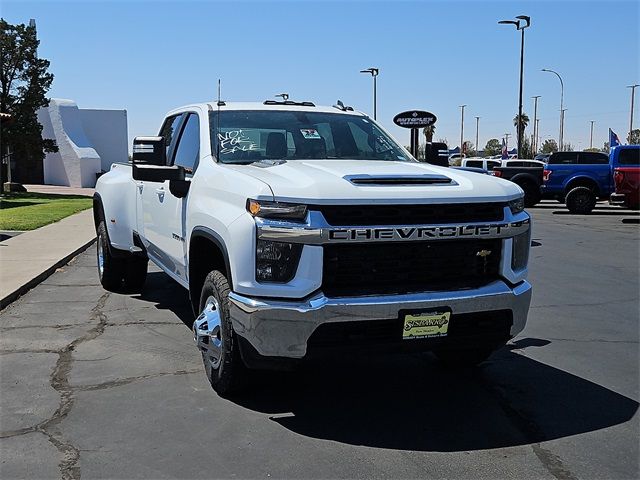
(103, 385)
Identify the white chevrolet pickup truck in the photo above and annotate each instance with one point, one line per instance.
(302, 231)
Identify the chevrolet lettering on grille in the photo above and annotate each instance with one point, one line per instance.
(416, 233)
(403, 233)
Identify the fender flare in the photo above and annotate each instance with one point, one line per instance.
(217, 240)
(580, 177)
(526, 177)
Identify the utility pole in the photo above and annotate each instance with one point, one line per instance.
(477, 130)
(591, 137)
(633, 91)
(538, 136)
(535, 121)
(506, 142)
(462, 128)
(562, 126)
(560, 138)
(526, 22)
(374, 73)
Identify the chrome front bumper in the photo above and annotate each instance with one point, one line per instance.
(281, 328)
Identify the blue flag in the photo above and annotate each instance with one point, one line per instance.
(614, 141)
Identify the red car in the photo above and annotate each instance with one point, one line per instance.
(626, 177)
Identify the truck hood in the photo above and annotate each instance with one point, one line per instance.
(330, 182)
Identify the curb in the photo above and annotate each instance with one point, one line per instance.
(8, 299)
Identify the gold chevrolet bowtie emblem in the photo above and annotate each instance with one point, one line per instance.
(483, 253)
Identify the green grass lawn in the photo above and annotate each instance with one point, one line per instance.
(28, 211)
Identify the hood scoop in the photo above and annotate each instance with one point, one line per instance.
(399, 180)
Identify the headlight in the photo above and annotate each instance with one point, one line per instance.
(276, 261)
(520, 250)
(517, 205)
(276, 210)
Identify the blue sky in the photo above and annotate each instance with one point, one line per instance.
(149, 57)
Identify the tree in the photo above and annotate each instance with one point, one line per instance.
(606, 148)
(594, 149)
(634, 137)
(428, 132)
(549, 146)
(526, 149)
(24, 81)
(469, 149)
(493, 147)
(524, 121)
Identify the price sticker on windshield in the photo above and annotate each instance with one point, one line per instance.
(310, 134)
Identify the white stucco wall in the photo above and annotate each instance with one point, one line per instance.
(107, 132)
(89, 141)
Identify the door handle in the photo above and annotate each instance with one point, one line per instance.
(160, 192)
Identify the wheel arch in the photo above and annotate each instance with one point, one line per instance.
(207, 251)
(582, 181)
(98, 210)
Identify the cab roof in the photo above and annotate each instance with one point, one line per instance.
(297, 107)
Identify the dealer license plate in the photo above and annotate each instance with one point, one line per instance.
(425, 325)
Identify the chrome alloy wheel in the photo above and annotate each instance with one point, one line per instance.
(208, 335)
(100, 256)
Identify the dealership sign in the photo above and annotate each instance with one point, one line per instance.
(414, 119)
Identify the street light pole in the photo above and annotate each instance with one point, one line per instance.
(527, 22)
(591, 136)
(534, 143)
(374, 73)
(560, 138)
(633, 91)
(462, 128)
(477, 130)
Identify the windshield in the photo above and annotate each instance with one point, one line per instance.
(246, 136)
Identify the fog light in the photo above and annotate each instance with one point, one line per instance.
(520, 250)
(276, 261)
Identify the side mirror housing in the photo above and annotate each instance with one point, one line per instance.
(149, 151)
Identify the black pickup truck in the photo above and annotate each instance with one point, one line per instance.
(528, 178)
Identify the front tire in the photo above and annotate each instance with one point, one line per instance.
(110, 269)
(216, 339)
(581, 200)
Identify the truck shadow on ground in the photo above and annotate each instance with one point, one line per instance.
(411, 403)
(595, 213)
(166, 295)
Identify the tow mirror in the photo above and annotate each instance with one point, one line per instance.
(149, 151)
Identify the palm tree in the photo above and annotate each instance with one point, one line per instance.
(428, 132)
(524, 121)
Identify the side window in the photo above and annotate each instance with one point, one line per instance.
(593, 158)
(629, 156)
(188, 150)
(563, 157)
(169, 131)
(474, 163)
(491, 165)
